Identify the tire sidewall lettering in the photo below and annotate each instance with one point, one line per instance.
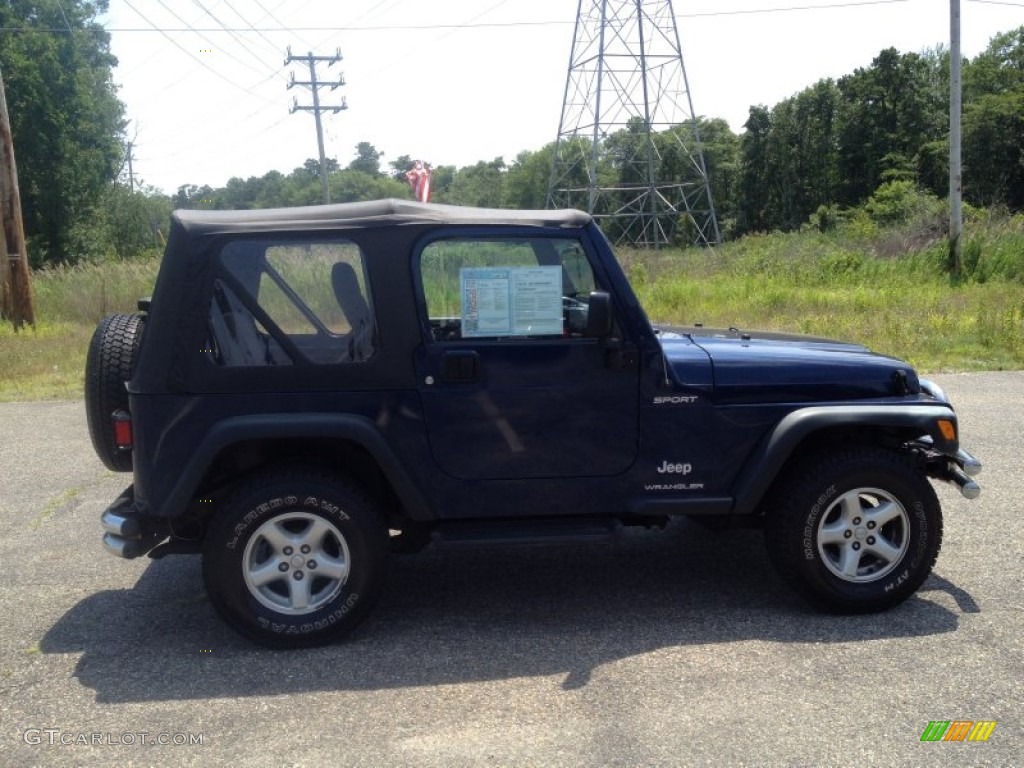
(920, 531)
(283, 502)
(810, 533)
(306, 626)
(325, 506)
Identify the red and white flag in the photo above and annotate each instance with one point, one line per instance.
(419, 179)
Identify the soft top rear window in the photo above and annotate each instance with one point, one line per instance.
(279, 299)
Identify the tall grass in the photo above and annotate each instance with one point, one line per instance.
(48, 361)
(974, 327)
(85, 293)
(847, 284)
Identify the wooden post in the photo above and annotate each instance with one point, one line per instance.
(956, 216)
(17, 289)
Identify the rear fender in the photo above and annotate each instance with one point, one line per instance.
(331, 426)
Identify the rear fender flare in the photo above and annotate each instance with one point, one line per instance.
(356, 429)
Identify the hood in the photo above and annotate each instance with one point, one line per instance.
(759, 367)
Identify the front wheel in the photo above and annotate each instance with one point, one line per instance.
(295, 559)
(855, 532)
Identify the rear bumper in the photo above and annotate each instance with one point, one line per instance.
(127, 535)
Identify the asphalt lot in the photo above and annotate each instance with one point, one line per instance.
(656, 648)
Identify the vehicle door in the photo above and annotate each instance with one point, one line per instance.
(511, 383)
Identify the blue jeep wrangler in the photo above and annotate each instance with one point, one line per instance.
(309, 390)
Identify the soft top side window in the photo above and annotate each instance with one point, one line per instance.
(279, 298)
(506, 287)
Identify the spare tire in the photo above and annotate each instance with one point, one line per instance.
(108, 367)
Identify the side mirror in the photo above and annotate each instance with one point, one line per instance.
(599, 315)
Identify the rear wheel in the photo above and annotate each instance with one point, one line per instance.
(109, 366)
(856, 531)
(295, 559)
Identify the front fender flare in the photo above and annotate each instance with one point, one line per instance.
(775, 450)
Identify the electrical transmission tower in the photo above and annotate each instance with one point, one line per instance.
(628, 147)
(314, 85)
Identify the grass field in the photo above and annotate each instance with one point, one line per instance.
(889, 290)
(885, 288)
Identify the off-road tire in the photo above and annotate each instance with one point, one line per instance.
(109, 365)
(856, 531)
(295, 558)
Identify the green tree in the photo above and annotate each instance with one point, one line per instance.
(526, 183)
(570, 174)
(993, 149)
(888, 112)
(349, 186)
(269, 192)
(752, 209)
(785, 179)
(998, 69)
(440, 182)
(237, 194)
(677, 164)
(794, 156)
(399, 167)
(66, 120)
(367, 159)
(192, 196)
(312, 167)
(136, 221)
(478, 185)
(721, 148)
(993, 123)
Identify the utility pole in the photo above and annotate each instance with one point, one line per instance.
(956, 215)
(15, 277)
(316, 109)
(131, 173)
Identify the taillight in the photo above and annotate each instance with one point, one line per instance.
(122, 430)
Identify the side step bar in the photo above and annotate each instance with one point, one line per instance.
(536, 531)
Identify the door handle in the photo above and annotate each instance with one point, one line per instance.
(460, 366)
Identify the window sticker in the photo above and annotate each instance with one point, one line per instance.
(511, 301)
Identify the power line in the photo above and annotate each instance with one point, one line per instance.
(236, 37)
(789, 9)
(64, 15)
(292, 9)
(486, 24)
(270, 42)
(201, 62)
(208, 40)
(295, 30)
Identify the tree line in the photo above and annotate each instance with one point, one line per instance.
(825, 150)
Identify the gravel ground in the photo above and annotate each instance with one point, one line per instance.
(678, 647)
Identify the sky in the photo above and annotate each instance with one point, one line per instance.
(454, 83)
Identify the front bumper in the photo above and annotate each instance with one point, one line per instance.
(127, 535)
(959, 470)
